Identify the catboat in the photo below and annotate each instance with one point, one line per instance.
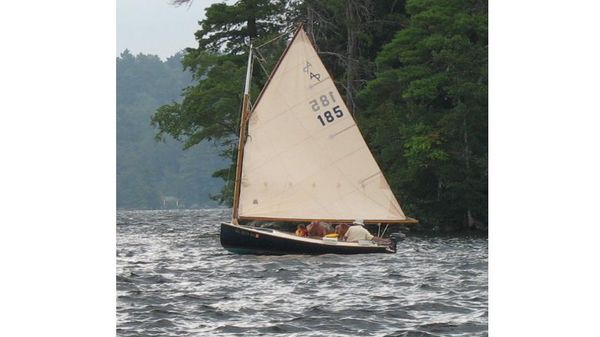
(301, 157)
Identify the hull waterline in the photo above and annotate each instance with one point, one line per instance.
(263, 241)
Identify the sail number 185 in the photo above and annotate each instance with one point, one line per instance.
(323, 102)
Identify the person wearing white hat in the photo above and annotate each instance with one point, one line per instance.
(357, 232)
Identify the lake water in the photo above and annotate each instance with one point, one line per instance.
(175, 279)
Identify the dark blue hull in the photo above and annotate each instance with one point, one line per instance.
(262, 241)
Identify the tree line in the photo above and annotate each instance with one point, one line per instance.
(414, 74)
(150, 174)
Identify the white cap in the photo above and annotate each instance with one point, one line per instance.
(358, 222)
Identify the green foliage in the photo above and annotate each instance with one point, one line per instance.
(348, 35)
(414, 73)
(148, 171)
(227, 28)
(429, 104)
(210, 108)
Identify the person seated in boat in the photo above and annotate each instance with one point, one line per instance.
(301, 230)
(341, 229)
(320, 229)
(357, 232)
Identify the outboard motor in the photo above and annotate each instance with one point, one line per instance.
(394, 238)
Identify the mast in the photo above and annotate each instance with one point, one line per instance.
(242, 141)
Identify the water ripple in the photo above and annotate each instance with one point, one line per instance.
(174, 279)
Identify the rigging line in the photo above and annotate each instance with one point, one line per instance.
(260, 62)
(273, 39)
(259, 56)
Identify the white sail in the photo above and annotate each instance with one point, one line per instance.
(304, 157)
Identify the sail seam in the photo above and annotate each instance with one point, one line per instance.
(342, 130)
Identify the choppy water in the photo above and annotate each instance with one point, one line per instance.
(174, 279)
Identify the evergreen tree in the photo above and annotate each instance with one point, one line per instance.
(348, 35)
(148, 171)
(425, 115)
(414, 73)
(210, 108)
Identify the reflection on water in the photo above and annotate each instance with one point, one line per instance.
(174, 279)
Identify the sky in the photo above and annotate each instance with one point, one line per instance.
(157, 27)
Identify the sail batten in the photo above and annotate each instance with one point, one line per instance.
(304, 157)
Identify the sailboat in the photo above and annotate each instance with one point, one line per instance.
(301, 157)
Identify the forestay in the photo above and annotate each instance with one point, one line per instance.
(304, 157)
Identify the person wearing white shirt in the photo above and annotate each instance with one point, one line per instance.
(357, 232)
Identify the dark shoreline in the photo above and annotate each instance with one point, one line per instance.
(421, 229)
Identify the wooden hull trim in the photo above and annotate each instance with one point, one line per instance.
(265, 241)
(408, 220)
